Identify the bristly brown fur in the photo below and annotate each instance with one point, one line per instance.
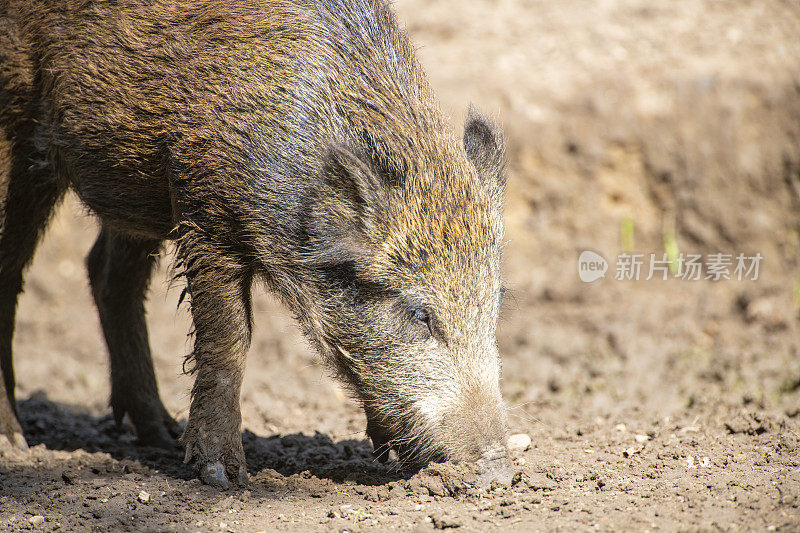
(297, 142)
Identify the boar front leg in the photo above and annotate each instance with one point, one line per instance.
(220, 301)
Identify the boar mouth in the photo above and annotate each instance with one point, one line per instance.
(413, 455)
(413, 451)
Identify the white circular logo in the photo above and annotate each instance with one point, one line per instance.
(591, 266)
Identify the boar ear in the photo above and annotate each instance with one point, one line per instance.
(483, 142)
(343, 212)
(355, 183)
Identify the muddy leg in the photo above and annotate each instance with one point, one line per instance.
(119, 272)
(31, 195)
(10, 431)
(220, 301)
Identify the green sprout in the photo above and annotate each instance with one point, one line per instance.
(672, 251)
(626, 234)
(796, 294)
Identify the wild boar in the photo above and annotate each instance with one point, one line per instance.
(294, 142)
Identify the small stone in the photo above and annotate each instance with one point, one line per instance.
(69, 477)
(444, 521)
(144, 496)
(397, 492)
(519, 442)
(641, 438)
(36, 520)
(223, 505)
(628, 452)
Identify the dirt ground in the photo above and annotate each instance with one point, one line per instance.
(633, 126)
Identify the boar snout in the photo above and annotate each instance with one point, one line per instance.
(474, 430)
(494, 465)
(488, 452)
(469, 427)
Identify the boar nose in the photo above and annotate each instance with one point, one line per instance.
(494, 465)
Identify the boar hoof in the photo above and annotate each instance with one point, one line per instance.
(15, 441)
(11, 437)
(18, 441)
(159, 434)
(158, 439)
(214, 474)
(153, 424)
(242, 477)
(218, 456)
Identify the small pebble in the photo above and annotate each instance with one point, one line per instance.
(519, 442)
(69, 477)
(144, 496)
(36, 520)
(443, 521)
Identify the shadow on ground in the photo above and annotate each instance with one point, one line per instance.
(68, 428)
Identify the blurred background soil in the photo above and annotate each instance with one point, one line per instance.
(633, 126)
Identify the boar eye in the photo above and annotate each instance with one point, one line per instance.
(423, 316)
